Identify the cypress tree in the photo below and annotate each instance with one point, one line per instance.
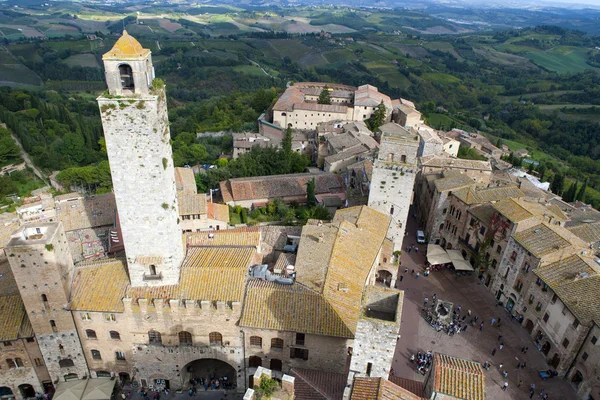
(581, 194)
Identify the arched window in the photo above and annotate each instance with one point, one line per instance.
(499, 249)
(152, 269)
(185, 338)
(154, 338)
(276, 365)
(255, 341)
(126, 74)
(96, 355)
(91, 334)
(494, 263)
(44, 298)
(403, 158)
(66, 363)
(215, 338)
(276, 344)
(114, 335)
(254, 362)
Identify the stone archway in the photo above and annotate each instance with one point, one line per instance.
(555, 361)
(210, 370)
(577, 378)
(384, 277)
(6, 393)
(27, 391)
(546, 348)
(529, 326)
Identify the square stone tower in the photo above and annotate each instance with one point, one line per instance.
(136, 129)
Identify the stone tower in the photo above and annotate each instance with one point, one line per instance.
(136, 129)
(41, 263)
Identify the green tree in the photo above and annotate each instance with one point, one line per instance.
(8, 148)
(286, 143)
(571, 193)
(581, 194)
(325, 96)
(266, 388)
(541, 169)
(310, 193)
(557, 184)
(377, 118)
(7, 186)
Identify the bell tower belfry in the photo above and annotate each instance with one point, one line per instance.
(136, 130)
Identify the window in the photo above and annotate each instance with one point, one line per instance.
(276, 344)
(86, 316)
(215, 339)
(96, 355)
(369, 368)
(494, 263)
(565, 343)
(300, 339)
(11, 363)
(152, 269)
(444, 210)
(44, 298)
(66, 363)
(7, 343)
(575, 323)
(594, 339)
(545, 288)
(499, 249)
(19, 362)
(185, 338)
(513, 256)
(254, 362)
(114, 335)
(531, 299)
(554, 298)
(299, 353)
(526, 267)
(539, 281)
(255, 341)
(546, 316)
(53, 326)
(276, 365)
(492, 244)
(584, 356)
(154, 338)
(538, 307)
(482, 230)
(91, 334)
(519, 286)
(38, 362)
(110, 317)
(120, 356)
(126, 75)
(30, 340)
(472, 222)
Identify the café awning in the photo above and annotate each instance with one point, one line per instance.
(85, 389)
(460, 264)
(70, 390)
(437, 255)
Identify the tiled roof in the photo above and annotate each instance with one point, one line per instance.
(512, 210)
(334, 108)
(460, 378)
(279, 186)
(354, 252)
(397, 131)
(127, 47)
(184, 180)
(589, 233)
(284, 260)
(541, 240)
(270, 305)
(314, 253)
(191, 203)
(149, 260)
(564, 271)
(446, 161)
(367, 95)
(415, 387)
(477, 196)
(318, 385)
(379, 389)
(100, 287)
(483, 212)
(453, 182)
(83, 213)
(12, 316)
(349, 153)
(219, 212)
(226, 237)
(8, 285)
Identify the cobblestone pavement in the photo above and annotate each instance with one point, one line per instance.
(200, 395)
(469, 293)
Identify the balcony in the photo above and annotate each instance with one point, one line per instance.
(152, 277)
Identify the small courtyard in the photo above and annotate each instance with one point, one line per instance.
(467, 291)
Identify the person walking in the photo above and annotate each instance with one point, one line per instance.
(494, 352)
(413, 271)
(417, 275)
(500, 367)
(481, 327)
(493, 320)
(401, 278)
(406, 270)
(433, 297)
(501, 345)
(505, 386)
(523, 365)
(425, 301)
(465, 328)
(518, 365)
(522, 349)
(499, 337)
(520, 383)
(526, 349)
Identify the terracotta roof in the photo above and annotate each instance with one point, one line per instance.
(355, 250)
(367, 95)
(126, 48)
(314, 253)
(318, 385)
(512, 210)
(333, 108)
(270, 305)
(392, 130)
(191, 203)
(415, 387)
(453, 182)
(589, 233)
(219, 212)
(379, 389)
(12, 317)
(227, 237)
(279, 186)
(149, 260)
(444, 160)
(82, 213)
(483, 212)
(99, 287)
(460, 378)
(284, 260)
(541, 240)
(564, 271)
(477, 196)
(185, 180)
(8, 285)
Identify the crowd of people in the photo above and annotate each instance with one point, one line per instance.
(423, 361)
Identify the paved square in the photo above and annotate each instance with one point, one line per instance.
(468, 292)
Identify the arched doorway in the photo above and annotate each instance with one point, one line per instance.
(210, 370)
(124, 378)
(577, 378)
(555, 360)
(384, 277)
(529, 326)
(6, 393)
(546, 348)
(126, 74)
(27, 391)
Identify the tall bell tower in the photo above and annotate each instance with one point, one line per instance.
(136, 130)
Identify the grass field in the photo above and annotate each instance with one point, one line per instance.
(561, 61)
(439, 121)
(389, 73)
(341, 55)
(83, 60)
(13, 72)
(439, 77)
(27, 51)
(291, 48)
(249, 70)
